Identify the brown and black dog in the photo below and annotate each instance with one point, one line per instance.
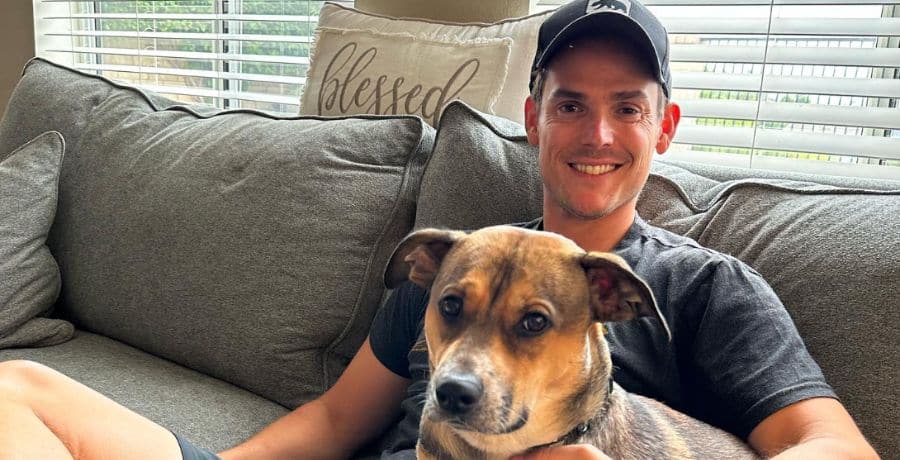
(517, 353)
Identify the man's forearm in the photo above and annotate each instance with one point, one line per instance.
(307, 432)
(827, 448)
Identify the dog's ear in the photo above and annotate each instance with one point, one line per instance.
(617, 294)
(418, 257)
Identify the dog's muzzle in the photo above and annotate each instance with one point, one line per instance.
(460, 399)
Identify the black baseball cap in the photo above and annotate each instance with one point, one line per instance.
(628, 19)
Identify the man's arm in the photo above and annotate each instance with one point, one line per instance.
(365, 399)
(813, 428)
(817, 428)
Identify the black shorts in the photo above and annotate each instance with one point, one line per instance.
(192, 452)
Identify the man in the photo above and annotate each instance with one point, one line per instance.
(598, 111)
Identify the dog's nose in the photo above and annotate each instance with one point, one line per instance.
(458, 394)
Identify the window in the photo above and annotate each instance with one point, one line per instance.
(227, 53)
(808, 85)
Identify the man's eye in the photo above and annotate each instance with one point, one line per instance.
(450, 306)
(631, 112)
(569, 108)
(534, 323)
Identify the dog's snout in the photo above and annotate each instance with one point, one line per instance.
(458, 394)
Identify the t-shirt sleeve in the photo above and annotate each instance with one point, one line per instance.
(749, 353)
(396, 327)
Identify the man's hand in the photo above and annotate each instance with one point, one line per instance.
(575, 451)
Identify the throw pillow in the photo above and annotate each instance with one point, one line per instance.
(29, 276)
(481, 172)
(367, 63)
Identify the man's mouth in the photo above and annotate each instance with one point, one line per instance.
(593, 170)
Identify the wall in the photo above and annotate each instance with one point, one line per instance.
(16, 43)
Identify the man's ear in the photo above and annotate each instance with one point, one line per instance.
(616, 293)
(668, 125)
(418, 257)
(531, 120)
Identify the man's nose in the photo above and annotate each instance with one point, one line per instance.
(600, 132)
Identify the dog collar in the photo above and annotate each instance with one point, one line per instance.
(570, 437)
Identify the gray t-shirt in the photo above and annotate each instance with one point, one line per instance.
(734, 359)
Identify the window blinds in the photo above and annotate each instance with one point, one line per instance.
(228, 53)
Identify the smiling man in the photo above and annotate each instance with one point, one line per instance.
(599, 113)
(598, 125)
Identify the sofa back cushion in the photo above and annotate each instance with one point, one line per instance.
(829, 251)
(242, 245)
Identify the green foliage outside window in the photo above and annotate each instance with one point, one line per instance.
(733, 123)
(260, 48)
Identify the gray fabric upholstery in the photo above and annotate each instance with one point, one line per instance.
(29, 276)
(208, 411)
(724, 173)
(482, 172)
(241, 245)
(829, 251)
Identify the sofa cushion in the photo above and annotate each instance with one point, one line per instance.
(367, 63)
(29, 276)
(209, 412)
(726, 173)
(829, 251)
(477, 159)
(239, 244)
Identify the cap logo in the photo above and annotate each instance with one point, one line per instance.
(618, 6)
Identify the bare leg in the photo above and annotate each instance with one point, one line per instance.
(48, 415)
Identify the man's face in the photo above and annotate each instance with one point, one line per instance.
(597, 127)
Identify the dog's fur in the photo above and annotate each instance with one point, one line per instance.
(535, 389)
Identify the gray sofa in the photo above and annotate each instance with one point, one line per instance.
(219, 268)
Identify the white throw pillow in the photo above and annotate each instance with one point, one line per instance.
(363, 63)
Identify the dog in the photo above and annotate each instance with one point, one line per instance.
(515, 339)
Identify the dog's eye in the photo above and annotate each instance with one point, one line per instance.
(450, 306)
(534, 323)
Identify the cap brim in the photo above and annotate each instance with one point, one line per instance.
(605, 24)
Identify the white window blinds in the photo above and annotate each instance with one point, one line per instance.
(228, 53)
(809, 85)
